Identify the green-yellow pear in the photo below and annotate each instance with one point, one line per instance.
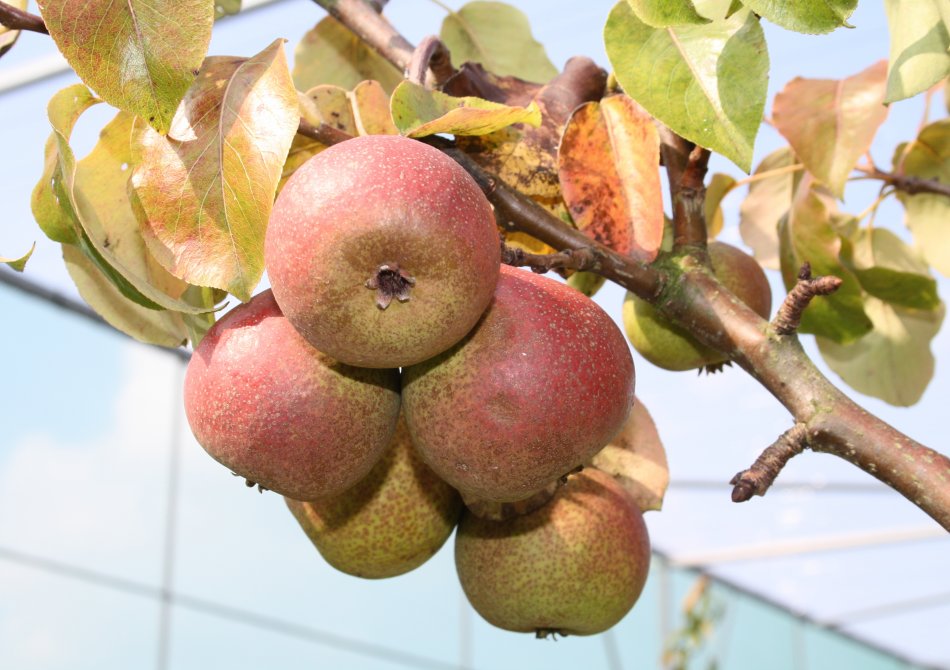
(391, 522)
(668, 346)
(574, 566)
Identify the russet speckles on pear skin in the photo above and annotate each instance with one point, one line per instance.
(540, 384)
(357, 209)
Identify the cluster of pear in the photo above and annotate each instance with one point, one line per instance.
(397, 376)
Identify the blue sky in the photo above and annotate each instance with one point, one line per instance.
(89, 417)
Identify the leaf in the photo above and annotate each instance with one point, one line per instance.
(9, 37)
(371, 109)
(890, 270)
(813, 17)
(49, 201)
(418, 111)
(806, 234)
(80, 209)
(919, 43)
(331, 54)
(206, 197)
(663, 13)
(162, 327)
(707, 83)
(719, 187)
(637, 460)
(224, 8)
(19, 263)
(893, 362)
(499, 37)
(138, 56)
(926, 214)
(830, 123)
(608, 168)
(198, 325)
(768, 200)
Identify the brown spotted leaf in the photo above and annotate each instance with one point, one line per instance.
(371, 109)
(608, 168)
(138, 56)
(637, 460)
(206, 192)
(331, 54)
(830, 123)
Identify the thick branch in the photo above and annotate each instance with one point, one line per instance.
(758, 478)
(689, 198)
(909, 185)
(789, 315)
(15, 18)
(361, 18)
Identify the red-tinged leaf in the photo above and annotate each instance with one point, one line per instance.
(138, 56)
(608, 168)
(830, 123)
(769, 199)
(206, 191)
(18, 263)
(636, 459)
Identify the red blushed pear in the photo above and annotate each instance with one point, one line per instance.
(382, 251)
(574, 566)
(540, 385)
(274, 410)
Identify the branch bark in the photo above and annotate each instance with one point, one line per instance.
(15, 18)
(683, 288)
(907, 184)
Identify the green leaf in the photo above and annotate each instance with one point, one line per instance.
(78, 207)
(138, 56)
(927, 214)
(830, 123)
(162, 327)
(50, 202)
(720, 185)
(224, 8)
(330, 53)
(813, 17)
(663, 13)
(499, 37)
(769, 199)
(418, 111)
(806, 234)
(206, 191)
(893, 362)
(890, 270)
(707, 83)
(919, 43)
(9, 37)
(19, 263)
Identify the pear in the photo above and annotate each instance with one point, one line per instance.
(390, 522)
(668, 346)
(382, 251)
(281, 414)
(575, 566)
(540, 385)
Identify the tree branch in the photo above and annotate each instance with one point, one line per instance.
(15, 18)
(758, 478)
(689, 198)
(586, 258)
(907, 184)
(683, 288)
(789, 315)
